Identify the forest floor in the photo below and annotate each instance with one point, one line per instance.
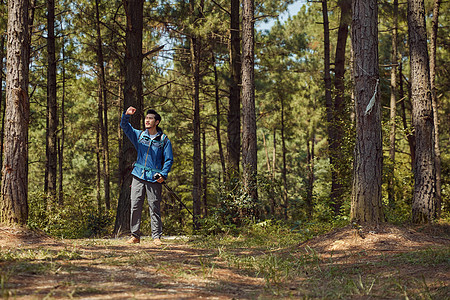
(388, 262)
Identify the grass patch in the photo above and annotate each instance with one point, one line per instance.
(263, 261)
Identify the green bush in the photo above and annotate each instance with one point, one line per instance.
(76, 218)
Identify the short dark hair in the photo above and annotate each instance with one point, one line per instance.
(153, 112)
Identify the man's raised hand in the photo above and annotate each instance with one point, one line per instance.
(130, 111)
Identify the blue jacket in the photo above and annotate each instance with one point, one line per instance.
(153, 156)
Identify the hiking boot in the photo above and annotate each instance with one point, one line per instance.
(157, 242)
(134, 240)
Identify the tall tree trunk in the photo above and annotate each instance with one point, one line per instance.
(310, 159)
(340, 167)
(218, 134)
(103, 113)
(284, 169)
(393, 105)
(205, 177)
(274, 160)
(366, 206)
(234, 112)
(435, 104)
(274, 153)
(62, 137)
(14, 188)
(424, 206)
(98, 145)
(267, 153)
(98, 168)
(249, 140)
(132, 92)
(410, 134)
(52, 106)
(197, 160)
(269, 171)
(332, 140)
(2, 102)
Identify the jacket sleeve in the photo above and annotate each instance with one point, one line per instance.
(129, 131)
(168, 159)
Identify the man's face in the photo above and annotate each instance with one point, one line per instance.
(150, 121)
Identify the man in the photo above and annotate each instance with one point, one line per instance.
(152, 166)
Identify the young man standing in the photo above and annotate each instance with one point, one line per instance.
(152, 166)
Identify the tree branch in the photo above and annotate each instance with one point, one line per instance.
(156, 49)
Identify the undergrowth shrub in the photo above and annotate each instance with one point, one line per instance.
(99, 224)
(234, 208)
(76, 218)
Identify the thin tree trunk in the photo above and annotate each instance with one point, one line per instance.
(332, 139)
(284, 169)
(234, 112)
(197, 162)
(366, 206)
(340, 167)
(103, 113)
(274, 153)
(435, 104)
(274, 161)
(196, 183)
(424, 206)
(132, 93)
(2, 102)
(393, 106)
(249, 141)
(98, 167)
(267, 153)
(62, 137)
(409, 133)
(119, 131)
(205, 178)
(32, 10)
(269, 171)
(310, 159)
(52, 105)
(99, 145)
(218, 134)
(14, 188)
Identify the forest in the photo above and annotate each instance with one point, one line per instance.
(311, 152)
(339, 114)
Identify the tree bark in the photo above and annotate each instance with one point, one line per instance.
(274, 153)
(14, 189)
(249, 140)
(340, 168)
(366, 206)
(61, 140)
(234, 112)
(98, 167)
(197, 160)
(52, 106)
(103, 112)
(284, 169)
(424, 206)
(393, 105)
(132, 93)
(435, 104)
(410, 134)
(218, 134)
(205, 176)
(2, 102)
(332, 139)
(310, 187)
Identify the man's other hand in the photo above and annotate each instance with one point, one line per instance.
(130, 111)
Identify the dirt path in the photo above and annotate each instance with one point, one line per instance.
(35, 266)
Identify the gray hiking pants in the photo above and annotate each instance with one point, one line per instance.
(138, 188)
